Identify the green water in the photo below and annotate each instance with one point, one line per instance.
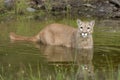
(29, 61)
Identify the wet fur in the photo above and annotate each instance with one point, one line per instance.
(62, 35)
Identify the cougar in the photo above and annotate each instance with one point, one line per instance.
(62, 35)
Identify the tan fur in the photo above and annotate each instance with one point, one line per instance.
(15, 37)
(62, 35)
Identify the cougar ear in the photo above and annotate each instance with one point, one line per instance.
(79, 22)
(92, 23)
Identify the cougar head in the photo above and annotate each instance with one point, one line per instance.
(85, 28)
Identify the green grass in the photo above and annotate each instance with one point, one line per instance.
(20, 6)
(59, 73)
(1, 4)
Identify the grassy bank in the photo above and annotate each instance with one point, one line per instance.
(28, 72)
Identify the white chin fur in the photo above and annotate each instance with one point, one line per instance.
(84, 35)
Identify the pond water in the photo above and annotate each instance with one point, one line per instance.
(29, 61)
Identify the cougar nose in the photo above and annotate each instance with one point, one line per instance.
(84, 34)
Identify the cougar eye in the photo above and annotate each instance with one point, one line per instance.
(88, 27)
(81, 27)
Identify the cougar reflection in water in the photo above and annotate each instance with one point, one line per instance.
(63, 35)
(81, 59)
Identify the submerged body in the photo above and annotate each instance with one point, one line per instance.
(62, 35)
